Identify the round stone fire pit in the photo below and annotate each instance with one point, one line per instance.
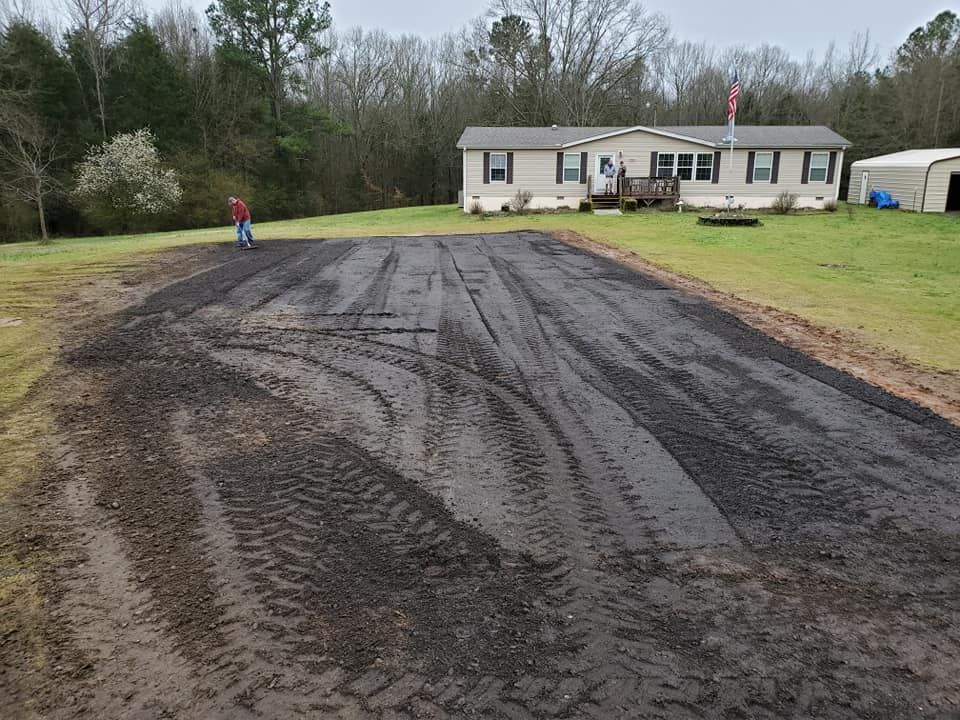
(729, 219)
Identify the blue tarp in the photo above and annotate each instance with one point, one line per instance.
(883, 199)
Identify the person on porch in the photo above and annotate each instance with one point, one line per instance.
(609, 172)
(622, 177)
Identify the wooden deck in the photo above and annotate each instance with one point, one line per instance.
(651, 189)
(644, 190)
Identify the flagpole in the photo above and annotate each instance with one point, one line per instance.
(732, 110)
(733, 127)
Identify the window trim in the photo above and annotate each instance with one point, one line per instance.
(696, 166)
(825, 168)
(692, 166)
(491, 168)
(565, 168)
(769, 167)
(673, 165)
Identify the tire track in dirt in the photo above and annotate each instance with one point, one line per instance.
(801, 486)
(328, 506)
(604, 622)
(558, 550)
(707, 434)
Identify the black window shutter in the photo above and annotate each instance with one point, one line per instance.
(805, 178)
(653, 164)
(559, 168)
(775, 170)
(583, 167)
(509, 168)
(751, 161)
(831, 168)
(486, 168)
(716, 168)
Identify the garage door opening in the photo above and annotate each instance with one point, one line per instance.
(953, 194)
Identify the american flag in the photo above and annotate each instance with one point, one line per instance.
(734, 94)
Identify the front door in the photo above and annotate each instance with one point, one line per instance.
(864, 187)
(953, 193)
(600, 180)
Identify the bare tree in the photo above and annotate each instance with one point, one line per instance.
(30, 12)
(584, 51)
(17, 11)
(183, 32)
(366, 78)
(189, 42)
(680, 65)
(862, 54)
(97, 24)
(29, 150)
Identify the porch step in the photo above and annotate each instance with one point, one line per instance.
(605, 201)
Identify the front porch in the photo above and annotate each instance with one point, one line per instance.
(645, 190)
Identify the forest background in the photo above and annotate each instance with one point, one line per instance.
(265, 100)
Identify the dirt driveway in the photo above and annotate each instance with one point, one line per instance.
(488, 476)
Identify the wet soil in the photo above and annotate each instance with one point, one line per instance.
(484, 476)
(933, 388)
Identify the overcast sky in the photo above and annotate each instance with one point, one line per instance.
(797, 26)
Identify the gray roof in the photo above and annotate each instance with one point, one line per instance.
(528, 137)
(910, 158)
(754, 136)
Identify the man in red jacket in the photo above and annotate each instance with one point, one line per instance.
(241, 218)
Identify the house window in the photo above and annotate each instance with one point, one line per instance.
(571, 167)
(762, 167)
(685, 166)
(665, 165)
(818, 167)
(704, 166)
(498, 167)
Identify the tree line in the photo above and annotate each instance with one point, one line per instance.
(265, 100)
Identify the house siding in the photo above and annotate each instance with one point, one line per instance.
(535, 171)
(938, 184)
(905, 184)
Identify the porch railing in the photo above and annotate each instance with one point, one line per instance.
(639, 187)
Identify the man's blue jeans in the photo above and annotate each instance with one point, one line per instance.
(244, 228)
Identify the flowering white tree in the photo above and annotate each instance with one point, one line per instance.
(125, 178)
